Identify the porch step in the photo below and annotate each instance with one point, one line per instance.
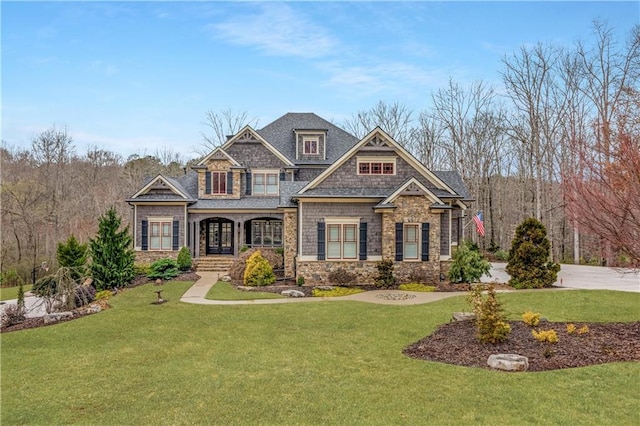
(214, 263)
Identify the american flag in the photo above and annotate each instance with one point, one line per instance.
(479, 223)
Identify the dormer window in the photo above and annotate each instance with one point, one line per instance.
(310, 145)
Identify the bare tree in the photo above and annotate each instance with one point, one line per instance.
(395, 119)
(221, 125)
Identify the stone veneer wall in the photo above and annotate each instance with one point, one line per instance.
(290, 229)
(412, 209)
(152, 256)
(317, 272)
(219, 166)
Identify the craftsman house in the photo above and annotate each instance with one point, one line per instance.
(325, 198)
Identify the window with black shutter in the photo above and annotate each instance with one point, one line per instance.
(207, 182)
(176, 235)
(229, 182)
(145, 235)
(363, 241)
(248, 186)
(321, 241)
(399, 238)
(425, 242)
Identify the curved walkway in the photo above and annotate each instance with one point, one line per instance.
(196, 294)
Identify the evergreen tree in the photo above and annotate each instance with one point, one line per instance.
(529, 264)
(468, 265)
(111, 253)
(73, 255)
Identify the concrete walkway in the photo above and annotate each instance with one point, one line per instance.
(196, 294)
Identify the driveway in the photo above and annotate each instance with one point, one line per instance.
(583, 277)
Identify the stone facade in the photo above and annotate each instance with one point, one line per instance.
(254, 155)
(151, 256)
(215, 165)
(317, 272)
(290, 225)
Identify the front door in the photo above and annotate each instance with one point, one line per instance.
(219, 237)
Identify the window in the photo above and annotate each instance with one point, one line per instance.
(265, 183)
(160, 236)
(218, 182)
(266, 233)
(310, 145)
(377, 166)
(411, 241)
(342, 241)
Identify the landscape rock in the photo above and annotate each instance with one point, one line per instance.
(56, 317)
(293, 293)
(463, 316)
(94, 309)
(508, 362)
(324, 287)
(225, 278)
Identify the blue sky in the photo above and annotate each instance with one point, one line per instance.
(133, 76)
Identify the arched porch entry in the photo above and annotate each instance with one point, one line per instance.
(219, 236)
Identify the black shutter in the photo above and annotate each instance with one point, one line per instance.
(248, 189)
(145, 235)
(425, 242)
(363, 241)
(229, 182)
(399, 241)
(283, 176)
(207, 182)
(176, 235)
(321, 239)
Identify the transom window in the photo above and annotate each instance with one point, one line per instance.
(218, 182)
(265, 183)
(160, 235)
(376, 166)
(342, 241)
(411, 241)
(266, 233)
(310, 145)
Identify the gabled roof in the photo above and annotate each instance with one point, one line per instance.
(281, 134)
(411, 187)
(378, 135)
(248, 132)
(218, 152)
(175, 187)
(455, 181)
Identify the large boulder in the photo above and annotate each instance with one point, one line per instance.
(508, 362)
(463, 316)
(292, 293)
(57, 317)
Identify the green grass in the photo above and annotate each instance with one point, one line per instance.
(8, 293)
(225, 291)
(328, 362)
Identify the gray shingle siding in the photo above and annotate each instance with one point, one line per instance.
(444, 233)
(254, 155)
(144, 212)
(315, 212)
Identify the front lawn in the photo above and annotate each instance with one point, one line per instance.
(225, 291)
(8, 293)
(311, 363)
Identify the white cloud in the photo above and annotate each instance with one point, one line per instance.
(276, 29)
(103, 67)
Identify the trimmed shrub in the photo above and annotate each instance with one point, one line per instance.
(141, 269)
(531, 318)
(335, 292)
(468, 264)
(491, 324)
(417, 287)
(236, 272)
(73, 255)
(341, 276)
(104, 295)
(545, 336)
(385, 276)
(529, 264)
(165, 269)
(258, 271)
(184, 259)
(300, 280)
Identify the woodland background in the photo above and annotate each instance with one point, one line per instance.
(558, 140)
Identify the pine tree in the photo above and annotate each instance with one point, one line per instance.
(468, 264)
(73, 255)
(529, 264)
(111, 253)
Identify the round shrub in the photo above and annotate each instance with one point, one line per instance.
(165, 269)
(258, 271)
(236, 272)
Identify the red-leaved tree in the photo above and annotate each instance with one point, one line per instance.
(603, 192)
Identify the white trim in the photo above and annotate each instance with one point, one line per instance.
(418, 227)
(148, 186)
(310, 138)
(400, 151)
(186, 228)
(265, 172)
(433, 197)
(135, 225)
(270, 147)
(342, 220)
(218, 149)
(309, 258)
(381, 160)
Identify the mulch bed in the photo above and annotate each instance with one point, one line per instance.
(456, 343)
